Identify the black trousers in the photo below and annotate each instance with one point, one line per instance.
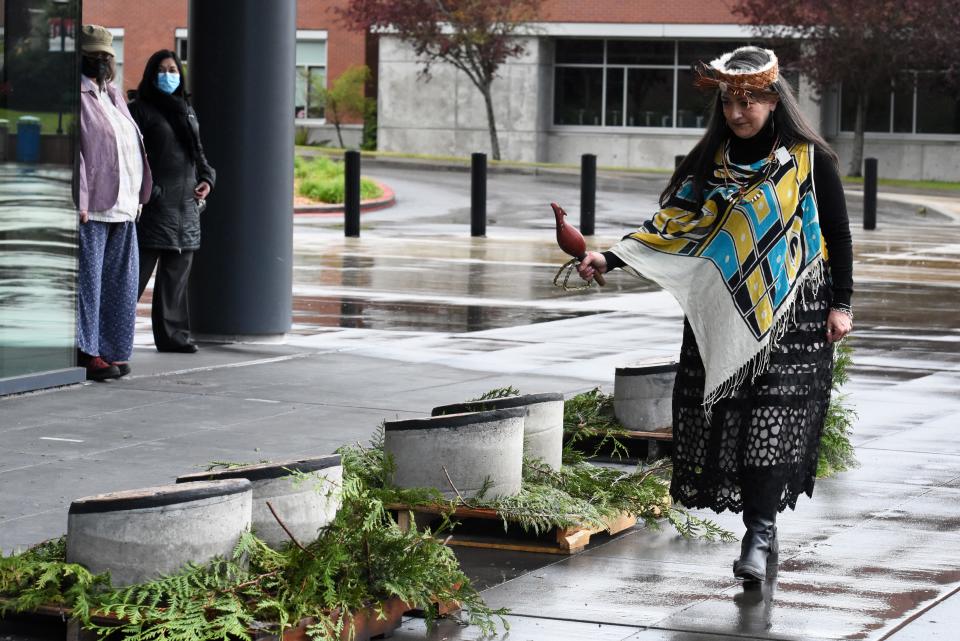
(169, 316)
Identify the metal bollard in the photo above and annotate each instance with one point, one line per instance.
(478, 194)
(870, 193)
(351, 194)
(588, 193)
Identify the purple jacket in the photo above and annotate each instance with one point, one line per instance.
(98, 182)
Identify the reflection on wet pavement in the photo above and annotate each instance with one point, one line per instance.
(311, 313)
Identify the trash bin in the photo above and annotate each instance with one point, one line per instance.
(4, 137)
(28, 139)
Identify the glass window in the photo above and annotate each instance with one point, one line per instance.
(581, 52)
(878, 110)
(693, 105)
(920, 103)
(578, 96)
(938, 110)
(312, 53)
(38, 221)
(311, 78)
(182, 50)
(692, 52)
(309, 101)
(650, 98)
(118, 59)
(629, 83)
(640, 52)
(903, 103)
(614, 114)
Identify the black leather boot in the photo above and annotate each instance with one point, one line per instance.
(759, 546)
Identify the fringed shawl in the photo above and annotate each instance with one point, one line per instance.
(736, 264)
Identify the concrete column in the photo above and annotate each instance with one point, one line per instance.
(242, 72)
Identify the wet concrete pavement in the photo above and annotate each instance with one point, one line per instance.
(415, 314)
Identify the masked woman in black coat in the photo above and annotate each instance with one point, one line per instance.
(169, 228)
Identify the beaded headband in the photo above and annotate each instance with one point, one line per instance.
(745, 83)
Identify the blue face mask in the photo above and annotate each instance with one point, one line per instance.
(168, 82)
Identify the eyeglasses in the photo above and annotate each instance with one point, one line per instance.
(97, 55)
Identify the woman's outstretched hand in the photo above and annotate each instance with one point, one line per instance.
(593, 263)
(838, 325)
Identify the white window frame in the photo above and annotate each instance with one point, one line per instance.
(314, 35)
(117, 32)
(180, 35)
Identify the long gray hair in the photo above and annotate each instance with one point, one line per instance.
(791, 127)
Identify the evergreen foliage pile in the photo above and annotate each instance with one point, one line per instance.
(836, 451)
(358, 562)
(579, 494)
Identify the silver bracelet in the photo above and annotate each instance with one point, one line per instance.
(843, 310)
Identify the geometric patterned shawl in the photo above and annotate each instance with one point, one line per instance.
(737, 264)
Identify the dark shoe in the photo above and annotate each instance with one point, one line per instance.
(758, 549)
(761, 499)
(100, 370)
(187, 348)
(124, 368)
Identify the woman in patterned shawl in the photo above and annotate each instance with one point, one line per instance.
(753, 240)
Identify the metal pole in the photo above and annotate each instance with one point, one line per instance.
(351, 194)
(241, 280)
(870, 193)
(588, 193)
(478, 194)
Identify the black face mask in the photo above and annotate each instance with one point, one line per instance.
(94, 68)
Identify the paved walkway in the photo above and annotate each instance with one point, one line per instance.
(416, 314)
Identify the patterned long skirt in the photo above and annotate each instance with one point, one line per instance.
(770, 426)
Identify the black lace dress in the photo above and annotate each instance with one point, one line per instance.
(772, 425)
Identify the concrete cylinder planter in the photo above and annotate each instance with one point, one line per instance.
(476, 449)
(643, 396)
(542, 423)
(139, 535)
(305, 506)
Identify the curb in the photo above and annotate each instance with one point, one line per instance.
(388, 199)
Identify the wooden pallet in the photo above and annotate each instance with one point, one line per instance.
(483, 528)
(641, 446)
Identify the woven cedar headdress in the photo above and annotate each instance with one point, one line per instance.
(744, 83)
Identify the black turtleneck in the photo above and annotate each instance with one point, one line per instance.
(831, 207)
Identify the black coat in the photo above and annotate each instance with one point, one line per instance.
(171, 219)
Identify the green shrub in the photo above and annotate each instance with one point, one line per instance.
(325, 190)
(299, 168)
(321, 179)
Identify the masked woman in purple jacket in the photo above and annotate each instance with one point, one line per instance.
(112, 184)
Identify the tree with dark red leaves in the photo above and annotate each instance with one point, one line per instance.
(475, 36)
(863, 44)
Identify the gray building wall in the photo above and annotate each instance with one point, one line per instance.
(444, 115)
(905, 157)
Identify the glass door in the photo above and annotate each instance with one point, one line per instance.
(38, 221)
